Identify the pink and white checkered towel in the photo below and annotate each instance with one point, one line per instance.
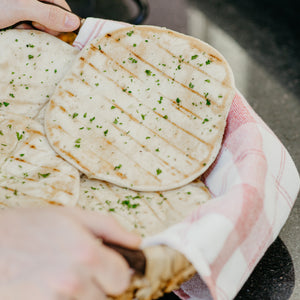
(254, 183)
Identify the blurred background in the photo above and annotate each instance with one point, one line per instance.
(260, 40)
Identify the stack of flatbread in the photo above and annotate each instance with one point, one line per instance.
(139, 112)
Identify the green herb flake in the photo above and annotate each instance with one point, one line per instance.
(207, 80)
(208, 62)
(158, 171)
(112, 107)
(191, 85)
(178, 101)
(194, 57)
(129, 33)
(19, 136)
(118, 167)
(43, 175)
(105, 132)
(12, 95)
(165, 117)
(30, 56)
(133, 60)
(74, 115)
(208, 103)
(148, 72)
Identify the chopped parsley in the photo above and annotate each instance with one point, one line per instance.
(158, 171)
(118, 167)
(44, 175)
(19, 136)
(194, 57)
(129, 33)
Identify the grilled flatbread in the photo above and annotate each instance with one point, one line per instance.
(31, 173)
(31, 65)
(142, 107)
(145, 213)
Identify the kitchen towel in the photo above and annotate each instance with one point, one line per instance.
(254, 183)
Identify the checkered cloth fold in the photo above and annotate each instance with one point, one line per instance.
(254, 184)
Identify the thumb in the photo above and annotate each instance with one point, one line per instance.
(52, 17)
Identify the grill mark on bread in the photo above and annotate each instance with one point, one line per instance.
(137, 141)
(194, 67)
(54, 188)
(119, 174)
(147, 149)
(109, 57)
(165, 199)
(185, 111)
(151, 130)
(34, 165)
(119, 196)
(29, 196)
(161, 116)
(70, 93)
(163, 73)
(158, 114)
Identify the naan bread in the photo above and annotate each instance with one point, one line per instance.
(31, 173)
(142, 107)
(31, 65)
(145, 213)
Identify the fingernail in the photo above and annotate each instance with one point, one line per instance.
(72, 21)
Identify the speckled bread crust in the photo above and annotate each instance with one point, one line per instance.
(166, 269)
(31, 65)
(145, 213)
(143, 108)
(31, 173)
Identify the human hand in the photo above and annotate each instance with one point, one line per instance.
(53, 253)
(46, 17)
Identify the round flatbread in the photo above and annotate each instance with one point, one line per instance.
(145, 213)
(31, 65)
(142, 107)
(31, 173)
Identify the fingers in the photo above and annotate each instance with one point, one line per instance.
(24, 26)
(51, 17)
(101, 272)
(112, 273)
(58, 2)
(107, 228)
(43, 28)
